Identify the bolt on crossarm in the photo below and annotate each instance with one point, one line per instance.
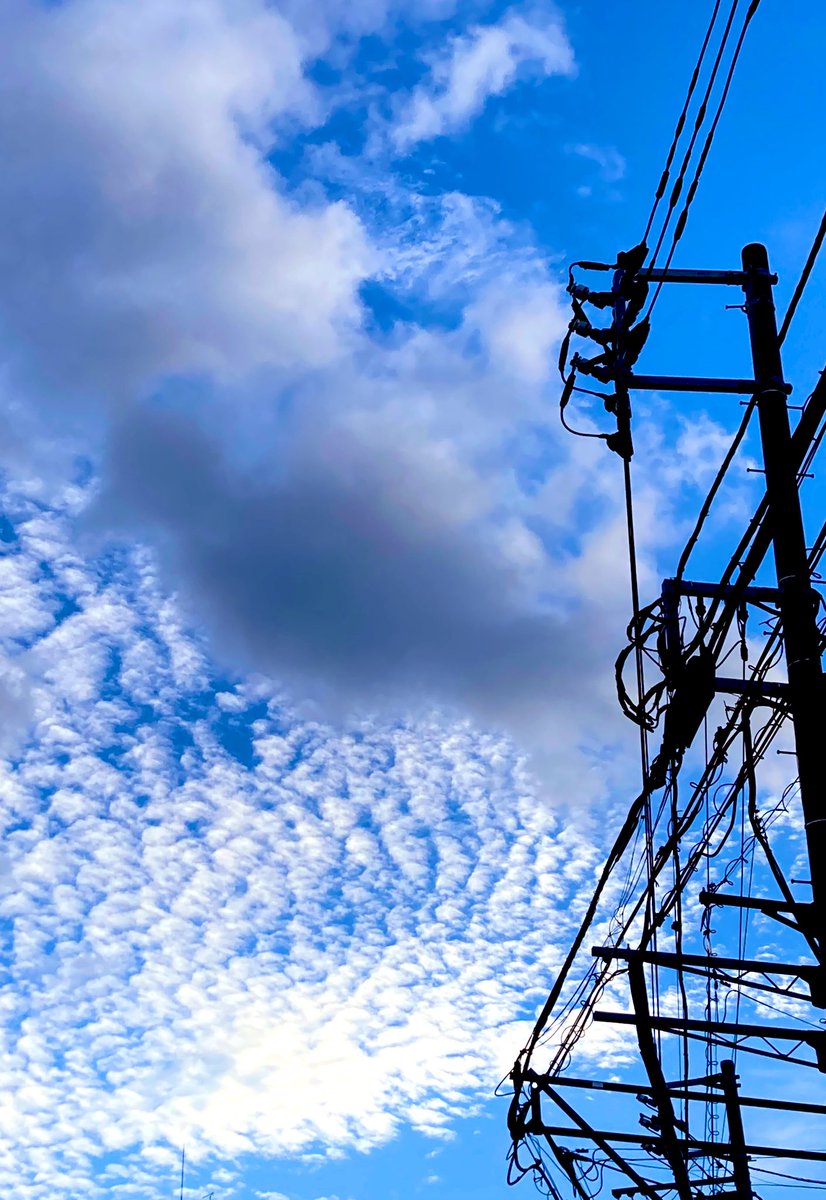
(798, 602)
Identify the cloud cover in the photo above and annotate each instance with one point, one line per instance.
(483, 62)
(213, 902)
(233, 926)
(226, 922)
(337, 505)
(145, 233)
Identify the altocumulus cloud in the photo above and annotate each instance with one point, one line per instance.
(234, 926)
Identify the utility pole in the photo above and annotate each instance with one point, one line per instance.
(678, 1049)
(798, 602)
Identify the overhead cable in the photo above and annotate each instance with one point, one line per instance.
(715, 487)
(680, 126)
(699, 121)
(682, 220)
(803, 280)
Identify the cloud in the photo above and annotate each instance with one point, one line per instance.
(145, 232)
(226, 921)
(234, 909)
(371, 517)
(229, 924)
(361, 568)
(610, 163)
(381, 554)
(486, 61)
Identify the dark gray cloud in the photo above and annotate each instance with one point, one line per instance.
(338, 570)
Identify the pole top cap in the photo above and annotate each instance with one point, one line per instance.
(755, 257)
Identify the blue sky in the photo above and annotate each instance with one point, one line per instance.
(308, 608)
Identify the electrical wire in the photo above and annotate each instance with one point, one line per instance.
(682, 220)
(803, 280)
(719, 749)
(786, 1175)
(720, 820)
(715, 487)
(695, 76)
(698, 125)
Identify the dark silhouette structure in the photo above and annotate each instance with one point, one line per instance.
(662, 972)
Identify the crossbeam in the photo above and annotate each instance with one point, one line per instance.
(717, 1149)
(683, 275)
(666, 958)
(678, 1092)
(813, 1037)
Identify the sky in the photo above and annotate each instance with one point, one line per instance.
(308, 607)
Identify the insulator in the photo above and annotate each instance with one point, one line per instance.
(633, 342)
(579, 291)
(602, 299)
(693, 693)
(581, 326)
(603, 337)
(586, 366)
(594, 367)
(631, 260)
(621, 444)
(635, 292)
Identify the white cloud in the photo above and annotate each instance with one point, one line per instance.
(239, 928)
(198, 931)
(521, 327)
(148, 235)
(229, 922)
(610, 163)
(486, 61)
(171, 250)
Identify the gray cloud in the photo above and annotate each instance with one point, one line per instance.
(340, 570)
(149, 241)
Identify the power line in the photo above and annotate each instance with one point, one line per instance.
(680, 126)
(699, 120)
(682, 220)
(715, 487)
(803, 280)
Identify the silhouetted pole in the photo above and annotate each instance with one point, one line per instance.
(798, 602)
(739, 1158)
